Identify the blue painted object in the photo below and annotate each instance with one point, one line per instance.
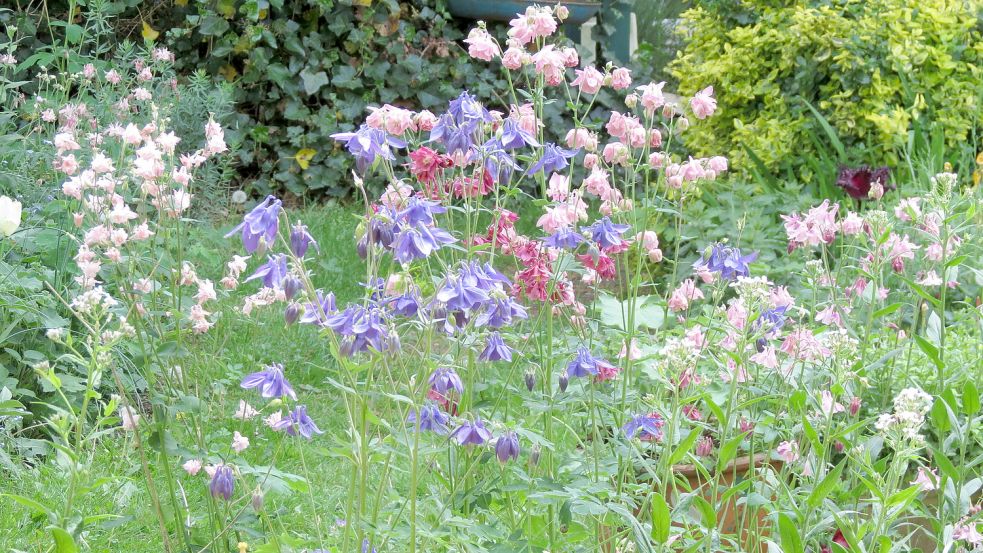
(505, 10)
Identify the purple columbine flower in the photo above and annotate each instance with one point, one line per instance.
(499, 164)
(507, 447)
(316, 312)
(514, 136)
(301, 239)
(471, 433)
(445, 379)
(496, 349)
(431, 418)
(365, 546)
(419, 211)
(484, 276)
(606, 233)
(262, 222)
(461, 294)
(647, 427)
(467, 108)
(584, 364)
(418, 242)
(272, 272)
(271, 382)
(856, 181)
(727, 261)
(454, 136)
(554, 159)
(564, 238)
(291, 285)
(500, 312)
(362, 328)
(292, 313)
(406, 305)
(772, 319)
(367, 144)
(223, 483)
(297, 422)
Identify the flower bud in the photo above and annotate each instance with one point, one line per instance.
(564, 380)
(292, 313)
(290, 286)
(704, 446)
(530, 380)
(257, 500)
(854, 406)
(534, 455)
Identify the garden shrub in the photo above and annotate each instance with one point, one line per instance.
(874, 70)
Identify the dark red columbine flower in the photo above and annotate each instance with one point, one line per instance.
(838, 539)
(856, 181)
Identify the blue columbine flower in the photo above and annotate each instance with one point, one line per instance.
(564, 238)
(606, 233)
(727, 261)
(553, 159)
(507, 447)
(301, 240)
(317, 311)
(772, 319)
(406, 305)
(647, 427)
(297, 422)
(362, 327)
(271, 382)
(461, 294)
(496, 349)
(365, 546)
(471, 433)
(585, 364)
(431, 418)
(272, 272)
(418, 242)
(262, 222)
(445, 379)
(514, 136)
(454, 136)
(366, 144)
(419, 211)
(466, 108)
(499, 164)
(500, 312)
(223, 483)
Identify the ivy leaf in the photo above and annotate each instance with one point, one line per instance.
(213, 25)
(313, 82)
(345, 77)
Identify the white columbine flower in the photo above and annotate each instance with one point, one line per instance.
(10, 214)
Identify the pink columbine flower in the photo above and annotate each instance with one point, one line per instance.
(559, 187)
(481, 45)
(620, 78)
(192, 466)
(703, 103)
(926, 480)
(788, 451)
(589, 80)
(766, 358)
(652, 97)
(581, 138)
(630, 352)
(683, 295)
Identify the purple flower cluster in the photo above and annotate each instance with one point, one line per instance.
(271, 382)
(368, 144)
(262, 222)
(297, 422)
(430, 418)
(409, 234)
(223, 483)
(584, 364)
(475, 293)
(554, 159)
(273, 272)
(471, 433)
(727, 261)
(362, 327)
(459, 129)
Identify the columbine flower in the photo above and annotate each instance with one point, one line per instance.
(298, 422)
(192, 466)
(445, 379)
(430, 418)
(471, 433)
(514, 136)
(272, 272)
(223, 483)
(856, 182)
(646, 427)
(727, 261)
(703, 103)
(585, 364)
(554, 159)
(788, 451)
(262, 222)
(362, 328)
(271, 382)
(927, 480)
(301, 239)
(245, 411)
(418, 242)
(367, 144)
(239, 442)
(605, 233)
(507, 447)
(496, 349)
(565, 238)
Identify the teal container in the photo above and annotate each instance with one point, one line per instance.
(505, 10)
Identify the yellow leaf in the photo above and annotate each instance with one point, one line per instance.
(304, 157)
(228, 72)
(149, 33)
(365, 3)
(181, 3)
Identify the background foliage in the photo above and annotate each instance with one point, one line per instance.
(876, 71)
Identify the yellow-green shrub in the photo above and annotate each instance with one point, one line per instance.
(872, 68)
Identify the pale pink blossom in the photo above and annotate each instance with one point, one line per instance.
(192, 466)
(766, 357)
(239, 442)
(683, 295)
(481, 45)
(581, 138)
(620, 78)
(926, 480)
(632, 353)
(514, 57)
(589, 80)
(788, 451)
(425, 120)
(652, 97)
(559, 187)
(703, 103)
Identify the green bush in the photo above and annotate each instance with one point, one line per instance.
(876, 70)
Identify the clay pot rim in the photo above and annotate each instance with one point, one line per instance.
(739, 464)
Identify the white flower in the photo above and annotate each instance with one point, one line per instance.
(130, 417)
(10, 214)
(245, 411)
(239, 442)
(192, 466)
(239, 197)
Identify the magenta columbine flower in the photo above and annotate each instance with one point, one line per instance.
(554, 159)
(297, 422)
(471, 433)
(605, 233)
(301, 240)
(262, 222)
(272, 272)
(430, 417)
(271, 382)
(223, 483)
(727, 261)
(507, 447)
(496, 349)
(856, 181)
(646, 427)
(445, 379)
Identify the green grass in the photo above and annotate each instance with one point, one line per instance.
(214, 364)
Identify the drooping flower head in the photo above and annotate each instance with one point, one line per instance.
(362, 327)
(298, 422)
(496, 349)
(554, 159)
(564, 238)
(729, 262)
(584, 364)
(507, 447)
(514, 136)
(273, 272)
(606, 233)
(262, 222)
(471, 433)
(444, 380)
(367, 144)
(430, 418)
(856, 181)
(271, 382)
(301, 240)
(222, 483)
(646, 427)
